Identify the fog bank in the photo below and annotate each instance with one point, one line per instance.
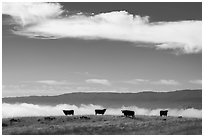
(24, 110)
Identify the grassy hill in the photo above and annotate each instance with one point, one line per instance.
(99, 125)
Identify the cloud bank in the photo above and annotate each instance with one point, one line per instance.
(159, 82)
(199, 82)
(136, 81)
(53, 82)
(166, 82)
(24, 109)
(51, 21)
(98, 81)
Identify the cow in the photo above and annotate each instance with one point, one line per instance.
(68, 112)
(180, 116)
(100, 111)
(163, 113)
(128, 113)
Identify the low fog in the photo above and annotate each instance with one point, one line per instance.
(27, 110)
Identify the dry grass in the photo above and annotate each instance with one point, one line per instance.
(98, 125)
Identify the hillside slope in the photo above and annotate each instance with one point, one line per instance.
(174, 99)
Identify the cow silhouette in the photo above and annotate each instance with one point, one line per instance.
(163, 113)
(68, 112)
(128, 113)
(100, 111)
(180, 116)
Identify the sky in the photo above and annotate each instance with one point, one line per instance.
(56, 48)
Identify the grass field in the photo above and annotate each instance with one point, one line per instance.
(99, 125)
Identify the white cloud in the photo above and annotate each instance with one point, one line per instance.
(166, 82)
(53, 82)
(159, 82)
(32, 13)
(24, 109)
(196, 82)
(136, 81)
(98, 81)
(47, 20)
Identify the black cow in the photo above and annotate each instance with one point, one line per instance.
(179, 116)
(68, 112)
(163, 113)
(128, 113)
(100, 111)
